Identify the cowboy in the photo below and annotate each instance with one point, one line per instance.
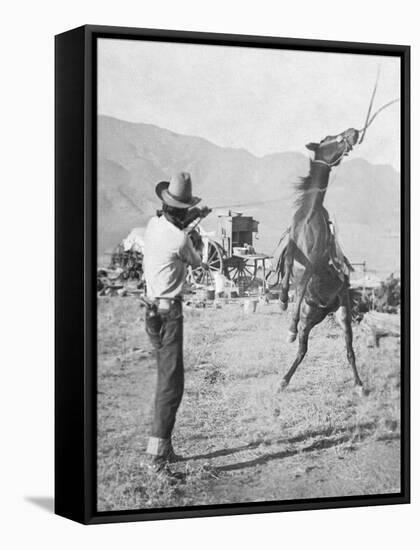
(168, 250)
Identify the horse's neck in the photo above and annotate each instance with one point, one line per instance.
(315, 194)
(310, 229)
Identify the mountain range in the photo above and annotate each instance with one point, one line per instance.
(363, 199)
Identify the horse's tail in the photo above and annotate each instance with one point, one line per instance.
(278, 268)
(278, 262)
(275, 251)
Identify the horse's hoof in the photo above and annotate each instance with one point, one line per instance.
(291, 337)
(283, 385)
(283, 305)
(362, 391)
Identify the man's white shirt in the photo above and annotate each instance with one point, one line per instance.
(167, 253)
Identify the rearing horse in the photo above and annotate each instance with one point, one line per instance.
(324, 286)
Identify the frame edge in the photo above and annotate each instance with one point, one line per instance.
(69, 426)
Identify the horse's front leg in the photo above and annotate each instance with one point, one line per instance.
(285, 281)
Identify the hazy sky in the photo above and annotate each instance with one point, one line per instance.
(261, 100)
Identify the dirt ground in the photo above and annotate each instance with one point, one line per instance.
(244, 442)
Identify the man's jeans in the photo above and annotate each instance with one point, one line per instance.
(165, 331)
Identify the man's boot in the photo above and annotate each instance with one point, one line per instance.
(160, 453)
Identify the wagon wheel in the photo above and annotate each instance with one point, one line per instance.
(240, 272)
(212, 263)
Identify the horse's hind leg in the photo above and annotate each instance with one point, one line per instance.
(310, 316)
(343, 316)
(300, 293)
(303, 348)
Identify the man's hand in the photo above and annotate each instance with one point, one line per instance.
(204, 211)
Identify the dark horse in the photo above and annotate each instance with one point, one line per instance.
(324, 286)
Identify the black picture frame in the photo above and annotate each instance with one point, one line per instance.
(75, 292)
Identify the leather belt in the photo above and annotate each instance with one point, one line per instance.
(164, 304)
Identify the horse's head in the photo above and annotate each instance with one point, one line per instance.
(332, 149)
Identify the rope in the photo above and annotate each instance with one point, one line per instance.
(377, 113)
(371, 104)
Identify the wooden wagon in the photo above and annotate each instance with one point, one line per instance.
(231, 252)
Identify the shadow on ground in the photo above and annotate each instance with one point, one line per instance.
(339, 436)
(46, 503)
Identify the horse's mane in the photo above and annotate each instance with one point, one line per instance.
(302, 186)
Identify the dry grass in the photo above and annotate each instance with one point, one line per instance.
(319, 438)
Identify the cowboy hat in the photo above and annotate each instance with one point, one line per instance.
(177, 192)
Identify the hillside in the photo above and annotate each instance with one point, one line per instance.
(132, 158)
